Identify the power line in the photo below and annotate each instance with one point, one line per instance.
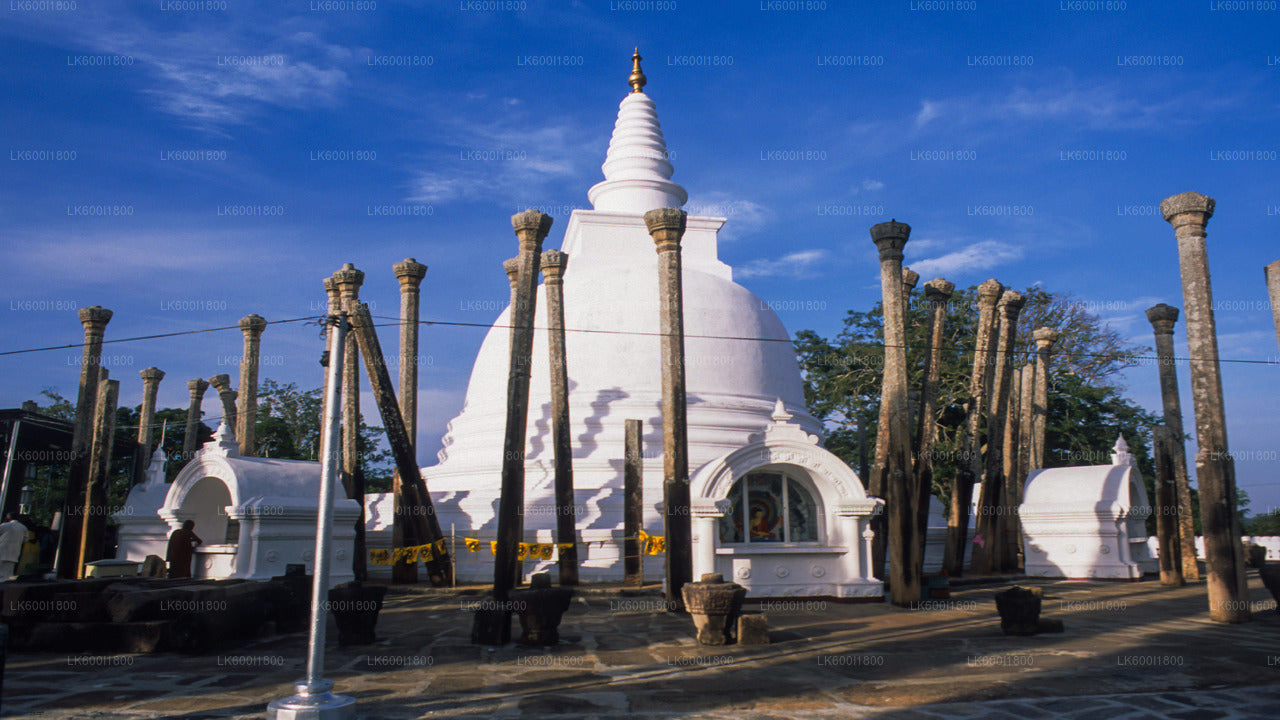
(153, 337)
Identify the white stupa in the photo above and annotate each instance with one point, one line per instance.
(741, 368)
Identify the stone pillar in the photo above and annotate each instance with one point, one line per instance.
(633, 504)
(1163, 318)
(879, 523)
(94, 319)
(1188, 213)
(1026, 425)
(410, 273)
(968, 469)
(95, 504)
(189, 439)
(512, 267)
(222, 383)
(1045, 338)
(1272, 273)
(348, 280)
(666, 227)
(937, 292)
(1006, 519)
(1166, 508)
(895, 475)
(987, 545)
(151, 378)
(554, 264)
(531, 227)
(247, 409)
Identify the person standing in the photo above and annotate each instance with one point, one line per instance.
(13, 535)
(182, 544)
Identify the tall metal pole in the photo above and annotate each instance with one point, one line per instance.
(313, 700)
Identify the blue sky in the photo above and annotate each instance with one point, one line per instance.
(187, 163)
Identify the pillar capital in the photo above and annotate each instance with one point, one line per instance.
(909, 279)
(95, 318)
(410, 273)
(1187, 208)
(197, 387)
(938, 290)
(253, 323)
(221, 382)
(531, 226)
(554, 263)
(989, 292)
(1045, 337)
(1162, 317)
(666, 227)
(348, 281)
(890, 237)
(1011, 302)
(151, 374)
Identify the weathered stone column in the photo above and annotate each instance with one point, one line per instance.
(512, 267)
(666, 227)
(222, 383)
(531, 227)
(937, 292)
(190, 441)
(410, 273)
(1166, 508)
(247, 409)
(1188, 213)
(1025, 430)
(988, 551)
(969, 468)
(895, 474)
(94, 319)
(1272, 273)
(879, 522)
(1163, 318)
(633, 504)
(1045, 338)
(151, 378)
(348, 280)
(95, 504)
(554, 264)
(1007, 518)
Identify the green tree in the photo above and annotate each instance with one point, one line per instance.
(842, 378)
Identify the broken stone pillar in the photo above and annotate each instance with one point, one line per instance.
(1163, 318)
(895, 475)
(95, 505)
(554, 264)
(222, 383)
(348, 280)
(1045, 338)
(1006, 519)
(879, 522)
(1026, 425)
(937, 292)
(94, 319)
(1272, 273)
(189, 439)
(633, 504)
(410, 273)
(988, 544)
(968, 469)
(247, 410)
(531, 228)
(1166, 508)
(666, 227)
(1188, 213)
(151, 378)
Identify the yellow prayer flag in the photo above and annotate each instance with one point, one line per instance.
(473, 545)
(380, 556)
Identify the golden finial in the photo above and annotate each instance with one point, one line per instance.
(636, 80)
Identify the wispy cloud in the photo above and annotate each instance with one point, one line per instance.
(794, 265)
(982, 255)
(743, 216)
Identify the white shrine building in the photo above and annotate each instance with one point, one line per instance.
(800, 528)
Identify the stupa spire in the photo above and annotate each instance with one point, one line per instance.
(637, 171)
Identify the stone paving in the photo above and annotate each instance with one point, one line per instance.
(1130, 650)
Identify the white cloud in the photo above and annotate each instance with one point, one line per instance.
(982, 255)
(872, 185)
(928, 111)
(795, 265)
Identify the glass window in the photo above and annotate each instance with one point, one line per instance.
(776, 509)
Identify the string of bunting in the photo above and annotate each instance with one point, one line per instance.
(394, 556)
(650, 545)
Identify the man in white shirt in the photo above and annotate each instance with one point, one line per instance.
(12, 536)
